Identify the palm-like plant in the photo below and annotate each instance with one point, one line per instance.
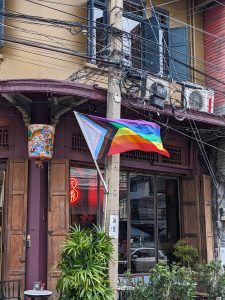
(84, 265)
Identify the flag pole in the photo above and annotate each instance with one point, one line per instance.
(101, 177)
(106, 193)
(96, 165)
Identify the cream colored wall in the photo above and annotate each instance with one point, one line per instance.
(176, 10)
(27, 62)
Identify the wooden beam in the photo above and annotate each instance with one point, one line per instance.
(20, 104)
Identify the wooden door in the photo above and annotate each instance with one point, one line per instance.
(190, 215)
(197, 222)
(207, 219)
(58, 217)
(15, 212)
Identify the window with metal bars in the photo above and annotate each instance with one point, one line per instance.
(4, 137)
(176, 154)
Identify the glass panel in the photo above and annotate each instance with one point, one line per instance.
(122, 267)
(142, 241)
(131, 43)
(84, 196)
(168, 217)
(98, 33)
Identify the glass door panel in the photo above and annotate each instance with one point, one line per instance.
(168, 217)
(123, 218)
(141, 229)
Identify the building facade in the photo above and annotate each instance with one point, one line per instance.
(52, 66)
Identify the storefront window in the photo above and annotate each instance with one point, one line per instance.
(86, 197)
(149, 219)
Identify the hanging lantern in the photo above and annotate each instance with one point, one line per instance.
(40, 141)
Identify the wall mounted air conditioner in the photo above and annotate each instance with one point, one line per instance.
(151, 81)
(199, 98)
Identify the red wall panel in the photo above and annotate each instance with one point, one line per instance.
(214, 43)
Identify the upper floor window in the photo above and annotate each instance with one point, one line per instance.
(148, 43)
(98, 16)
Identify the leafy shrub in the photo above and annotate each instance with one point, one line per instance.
(212, 279)
(84, 265)
(160, 281)
(165, 283)
(183, 285)
(186, 254)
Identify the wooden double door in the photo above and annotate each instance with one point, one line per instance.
(195, 209)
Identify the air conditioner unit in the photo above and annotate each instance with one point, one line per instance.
(151, 82)
(199, 98)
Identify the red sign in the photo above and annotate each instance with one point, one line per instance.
(74, 194)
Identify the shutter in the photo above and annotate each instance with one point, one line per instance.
(151, 53)
(58, 217)
(91, 25)
(179, 53)
(2, 8)
(207, 220)
(190, 212)
(15, 212)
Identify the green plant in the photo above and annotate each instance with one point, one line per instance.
(182, 283)
(160, 281)
(165, 283)
(84, 265)
(157, 288)
(212, 279)
(186, 254)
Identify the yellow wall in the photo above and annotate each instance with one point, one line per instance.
(27, 62)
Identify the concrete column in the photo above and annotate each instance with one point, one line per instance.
(113, 111)
(36, 259)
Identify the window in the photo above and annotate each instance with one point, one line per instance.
(98, 36)
(149, 221)
(86, 197)
(149, 43)
(133, 16)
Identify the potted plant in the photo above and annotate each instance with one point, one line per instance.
(84, 265)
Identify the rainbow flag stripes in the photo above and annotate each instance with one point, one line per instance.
(112, 136)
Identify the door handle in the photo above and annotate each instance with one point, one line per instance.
(22, 259)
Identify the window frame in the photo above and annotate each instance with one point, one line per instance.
(155, 178)
(92, 5)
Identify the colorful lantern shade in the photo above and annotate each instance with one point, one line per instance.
(40, 141)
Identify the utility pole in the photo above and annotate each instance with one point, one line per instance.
(113, 111)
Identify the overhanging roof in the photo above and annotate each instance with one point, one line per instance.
(61, 87)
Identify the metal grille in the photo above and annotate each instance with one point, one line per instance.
(175, 156)
(140, 155)
(79, 144)
(4, 137)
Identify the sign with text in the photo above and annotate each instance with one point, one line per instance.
(114, 226)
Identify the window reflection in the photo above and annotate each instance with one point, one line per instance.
(122, 267)
(142, 241)
(168, 215)
(84, 197)
(149, 198)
